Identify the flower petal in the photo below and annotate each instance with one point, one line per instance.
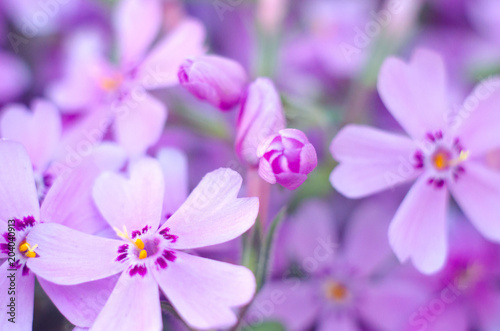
(134, 304)
(212, 214)
(477, 121)
(173, 162)
(371, 161)
(203, 291)
(39, 132)
(24, 297)
(415, 93)
(477, 191)
(17, 184)
(81, 303)
(133, 202)
(159, 69)
(139, 123)
(69, 257)
(418, 230)
(134, 39)
(69, 201)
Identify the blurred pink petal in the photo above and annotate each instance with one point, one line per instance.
(418, 230)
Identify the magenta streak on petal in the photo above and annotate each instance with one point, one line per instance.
(26, 270)
(138, 269)
(169, 255)
(28, 221)
(161, 263)
(145, 229)
(168, 236)
(135, 233)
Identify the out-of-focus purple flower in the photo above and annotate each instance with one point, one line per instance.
(286, 158)
(150, 256)
(466, 288)
(16, 77)
(445, 154)
(220, 81)
(337, 288)
(261, 115)
(91, 83)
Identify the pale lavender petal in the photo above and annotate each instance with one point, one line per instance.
(266, 171)
(261, 115)
(418, 230)
(203, 291)
(212, 214)
(134, 304)
(133, 38)
(159, 69)
(39, 131)
(17, 184)
(69, 257)
(292, 302)
(476, 123)
(415, 93)
(371, 161)
(24, 297)
(81, 303)
(477, 191)
(139, 123)
(174, 165)
(69, 201)
(132, 202)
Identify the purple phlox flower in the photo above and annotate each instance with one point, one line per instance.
(119, 91)
(20, 213)
(149, 256)
(339, 286)
(445, 154)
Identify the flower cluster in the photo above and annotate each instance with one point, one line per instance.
(250, 165)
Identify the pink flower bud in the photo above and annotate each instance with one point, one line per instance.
(261, 115)
(218, 80)
(286, 158)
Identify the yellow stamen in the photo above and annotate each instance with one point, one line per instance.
(143, 254)
(464, 155)
(27, 247)
(139, 244)
(441, 161)
(24, 246)
(110, 83)
(124, 235)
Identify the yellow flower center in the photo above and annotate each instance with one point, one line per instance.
(27, 249)
(111, 83)
(138, 243)
(441, 160)
(336, 291)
